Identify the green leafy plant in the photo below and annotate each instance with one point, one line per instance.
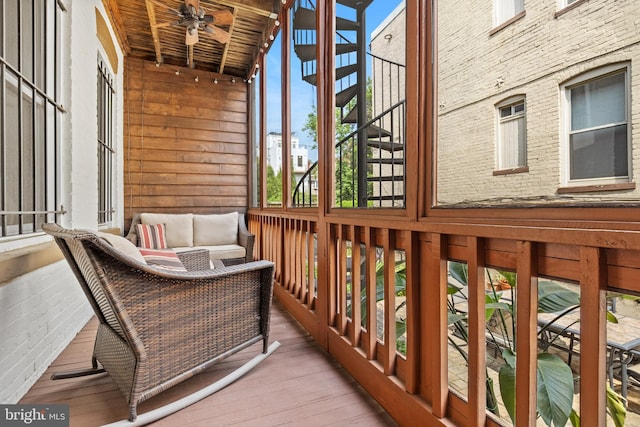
(400, 291)
(554, 376)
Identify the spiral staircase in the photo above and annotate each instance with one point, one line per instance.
(370, 161)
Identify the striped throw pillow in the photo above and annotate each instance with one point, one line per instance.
(162, 258)
(152, 236)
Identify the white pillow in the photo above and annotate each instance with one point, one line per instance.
(179, 227)
(123, 245)
(212, 230)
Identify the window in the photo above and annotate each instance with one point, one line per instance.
(507, 9)
(597, 137)
(300, 161)
(29, 115)
(512, 135)
(105, 143)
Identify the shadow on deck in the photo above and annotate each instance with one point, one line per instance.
(298, 385)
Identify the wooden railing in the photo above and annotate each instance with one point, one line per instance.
(321, 276)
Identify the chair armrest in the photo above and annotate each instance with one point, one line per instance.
(195, 260)
(245, 239)
(132, 236)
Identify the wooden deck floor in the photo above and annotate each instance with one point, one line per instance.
(298, 385)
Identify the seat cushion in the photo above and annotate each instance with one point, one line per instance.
(213, 230)
(162, 258)
(179, 227)
(123, 245)
(219, 251)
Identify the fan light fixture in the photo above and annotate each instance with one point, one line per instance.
(193, 18)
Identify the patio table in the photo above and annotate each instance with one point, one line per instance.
(623, 341)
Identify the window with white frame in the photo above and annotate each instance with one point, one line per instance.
(512, 134)
(106, 153)
(30, 115)
(597, 138)
(506, 9)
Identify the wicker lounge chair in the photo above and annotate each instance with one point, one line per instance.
(158, 328)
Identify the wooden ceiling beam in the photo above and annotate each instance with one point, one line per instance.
(249, 7)
(151, 13)
(113, 13)
(226, 46)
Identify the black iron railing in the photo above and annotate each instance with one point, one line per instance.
(385, 170)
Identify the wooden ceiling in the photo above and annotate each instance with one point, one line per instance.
(254, 21)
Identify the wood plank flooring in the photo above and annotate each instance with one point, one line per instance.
(298, 385)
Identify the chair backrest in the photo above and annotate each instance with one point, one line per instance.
(82, 250)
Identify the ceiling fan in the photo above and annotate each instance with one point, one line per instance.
(193, 18)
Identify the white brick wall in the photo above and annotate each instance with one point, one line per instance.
(40, 313)
(43, 310)
(533, 57)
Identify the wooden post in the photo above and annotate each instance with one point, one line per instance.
(477, 341)
(526, 333)
(593, 336)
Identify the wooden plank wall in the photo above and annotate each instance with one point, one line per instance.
(185, 141)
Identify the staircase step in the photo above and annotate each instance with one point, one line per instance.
(307, 52)
(394, 178)
(343, 97)
(397, 197)
(387, 146)
(387, 161)
(352, 116)
(355, 3)
(375, 132)
(305, 19)
(340, 73)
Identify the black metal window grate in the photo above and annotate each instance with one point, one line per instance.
(30, 115)
(105, 143)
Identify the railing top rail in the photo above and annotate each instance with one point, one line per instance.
(386, 60)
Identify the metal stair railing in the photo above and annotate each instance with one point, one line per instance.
(382, 184)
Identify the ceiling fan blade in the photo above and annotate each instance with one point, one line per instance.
(222, 17)
(217, 34)
(190, 56)
(195, 4)
(191, 38)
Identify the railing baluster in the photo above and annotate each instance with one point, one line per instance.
(356, 282)
(435, 301)
(526, 329)
(371, 323)
(389, 361)
(297, 248)
(477, 345)
(342, 280)
(413, 261)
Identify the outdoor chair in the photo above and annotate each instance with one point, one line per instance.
(159, 327)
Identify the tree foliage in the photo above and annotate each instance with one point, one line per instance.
(274, 186)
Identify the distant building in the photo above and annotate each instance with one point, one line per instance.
(535, 101)
(299, 155)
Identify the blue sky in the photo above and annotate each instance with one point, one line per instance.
(302, 93)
